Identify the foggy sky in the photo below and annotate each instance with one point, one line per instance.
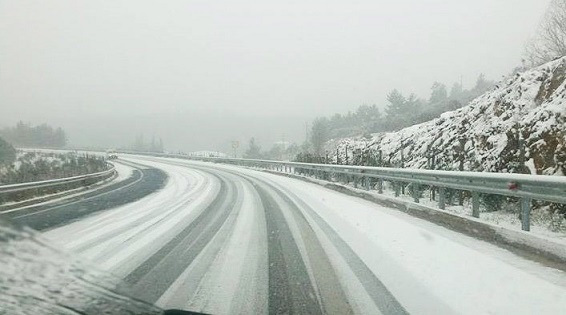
(202, 73)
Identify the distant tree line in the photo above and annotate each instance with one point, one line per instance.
(26, 135)
(400, 111)
(280, 151)
(155, 145)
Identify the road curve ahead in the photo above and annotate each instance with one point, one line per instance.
(141, 182)
(221, 239)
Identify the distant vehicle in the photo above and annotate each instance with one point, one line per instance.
(111, 155)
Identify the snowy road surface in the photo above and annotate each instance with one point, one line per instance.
(132, 183)
(222, 239)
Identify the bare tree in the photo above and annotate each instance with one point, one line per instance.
(550, 40)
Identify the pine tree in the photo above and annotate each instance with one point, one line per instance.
(7, 152)
(438, 94)
(397, 111)
(456, 91)
(319, 135)
(482, 85)
(254, 150)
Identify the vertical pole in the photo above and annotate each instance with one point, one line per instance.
(402, 165)
(433, 166)
(355, 181)
(461, 168)
(441, 198)
(521, 154)
(475, 204)
(433, 161)
(397, 186)
(525, 214)
(380, 186)
(415, 191)
(367, 183)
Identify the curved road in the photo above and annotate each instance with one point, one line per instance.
(142, 181)
(222, 239)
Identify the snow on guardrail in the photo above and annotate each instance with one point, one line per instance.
(54, 182)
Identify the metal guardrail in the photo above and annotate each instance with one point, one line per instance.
(20, 187)
(522, 186)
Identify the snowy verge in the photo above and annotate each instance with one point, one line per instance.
(548, 251)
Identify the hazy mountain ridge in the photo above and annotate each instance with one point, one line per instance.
(533, 102)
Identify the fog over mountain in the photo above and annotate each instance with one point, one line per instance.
(199, 74)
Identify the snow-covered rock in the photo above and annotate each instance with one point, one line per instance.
(532, 103)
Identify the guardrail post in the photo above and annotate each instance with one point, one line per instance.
(415, 191)
(367, 183)
(355, 181)
(397, 188)
(525, 214)
(380, 185)
(441, 198)
(475, 204)
(522, 154)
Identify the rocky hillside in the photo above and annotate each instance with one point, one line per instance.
(483, 136)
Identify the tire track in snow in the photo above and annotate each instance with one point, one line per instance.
(381, 296)
(143, 218)
(290, 289)
(296, 276)
(153, 277)
(232, 267)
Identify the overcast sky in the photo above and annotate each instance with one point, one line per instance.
(201, 73)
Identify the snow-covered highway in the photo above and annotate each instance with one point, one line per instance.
(222, 239)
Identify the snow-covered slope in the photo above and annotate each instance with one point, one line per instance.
(532, 103)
